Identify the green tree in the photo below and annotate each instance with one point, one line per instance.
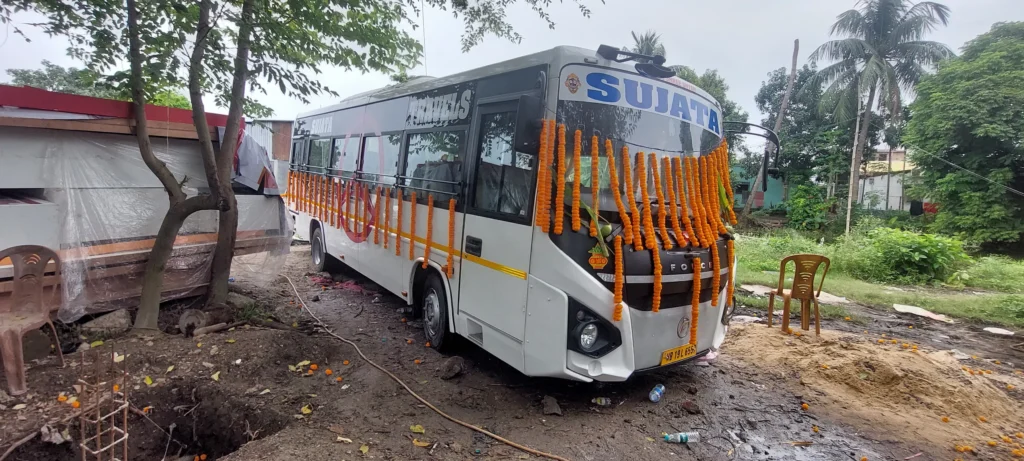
(86, 82)
(648, 43)
(883, 54)
(967, 138)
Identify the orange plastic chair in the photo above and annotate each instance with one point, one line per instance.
(802, 289)
(26, 308)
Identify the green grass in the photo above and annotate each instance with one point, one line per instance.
(251, 311)
(759, 254)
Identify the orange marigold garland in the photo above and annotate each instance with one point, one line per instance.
(542, 181)
(723, 163)
(387, 217)
(560, 182)
(349, 190)
(366, 210)
(595, 182)
(627, 168)
(627, 228)
(731, 253)
(693, 188)
(695, 302)
(619, 280)
(449, 266)
(412, 227)
(716, 275)
(673, 212)
(398, 232)
(666, 241)
(576, 180)
(716, 199)
(656, 298)
(650, 241)
(430, 229)
(377, 208)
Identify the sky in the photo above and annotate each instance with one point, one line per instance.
(743, 39)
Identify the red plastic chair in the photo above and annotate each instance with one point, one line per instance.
(26, 308)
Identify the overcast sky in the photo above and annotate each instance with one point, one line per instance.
(743, 39)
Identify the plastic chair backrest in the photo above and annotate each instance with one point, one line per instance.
(29, 263)
(806, 266)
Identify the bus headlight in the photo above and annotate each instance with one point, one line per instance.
(588, 337)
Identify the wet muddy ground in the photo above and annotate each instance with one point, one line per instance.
(743, 408)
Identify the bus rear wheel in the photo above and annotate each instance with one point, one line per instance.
(321, 259)
(434, 305)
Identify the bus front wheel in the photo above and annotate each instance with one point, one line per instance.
(434, 305)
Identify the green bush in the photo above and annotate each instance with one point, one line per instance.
(893, 255)
(1012, 306)
(997, 273)
(807, 208)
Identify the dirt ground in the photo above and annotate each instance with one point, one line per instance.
(875, 400)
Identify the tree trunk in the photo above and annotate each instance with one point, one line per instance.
(778, 126)
(228, 225)
(179, 207)
(888, 179)
(861, 139)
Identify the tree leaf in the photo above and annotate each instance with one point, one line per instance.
(148, 381)
(302, 363)
(95, 344)
(229, 341)
(365, 448)
(417, 429)
(215, 376)
(170, 369)
(264, 391)
(343, 439)
(292, 368)
(421, 443)
(20, 406)
(307, 409)
(118, 358)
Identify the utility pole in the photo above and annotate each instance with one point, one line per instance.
(888, 179)
(853, 166)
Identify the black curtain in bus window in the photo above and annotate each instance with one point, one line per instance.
(319, 154)
(503, 176)
(435, 163)
(345, 156)
(380, 157)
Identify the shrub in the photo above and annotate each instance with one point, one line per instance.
(807, 208)
(909, 257)
(995, 273)
(1012, 306)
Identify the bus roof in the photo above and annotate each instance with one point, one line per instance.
(564, 54)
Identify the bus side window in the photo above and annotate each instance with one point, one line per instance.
(435, 163)
(345, 156)
(380, 158)
(503, 176)
(319, 153)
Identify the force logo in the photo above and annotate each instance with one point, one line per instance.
(572, 82)
(683, 329)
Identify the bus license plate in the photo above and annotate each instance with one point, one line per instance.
(679, 353)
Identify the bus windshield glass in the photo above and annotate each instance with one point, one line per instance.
(644, 114)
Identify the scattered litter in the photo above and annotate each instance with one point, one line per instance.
(602, 401)
(364, 448)
(649, 439)
(344, 386)
(118, 358)
(683, 437)
(745, 319)
(551, 406)
(801, 443)
(657, 393)
(420, 443)
(707, 359)
(921, 312)
(215, 376)
(343, 439)
(998, 331)
(264, 392)
(148, 381)
(51, 435)
(20, 406)
(306, 409)
(417, 429)
(958, 355)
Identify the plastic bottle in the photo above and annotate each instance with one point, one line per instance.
(602, 401)
(683, 437)
(657, 392)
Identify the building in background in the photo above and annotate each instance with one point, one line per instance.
(882, 181)
(742, 184)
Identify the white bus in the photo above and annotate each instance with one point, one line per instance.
(373, 178)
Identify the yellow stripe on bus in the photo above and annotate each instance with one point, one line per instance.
(520, 274)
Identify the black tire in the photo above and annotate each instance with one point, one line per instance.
(434, 305)
(322, 261)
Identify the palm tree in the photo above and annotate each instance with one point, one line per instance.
(648, 43)
(882, 55)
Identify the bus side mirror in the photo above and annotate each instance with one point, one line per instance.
(528, 124)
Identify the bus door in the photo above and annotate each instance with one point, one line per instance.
(497, 233)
